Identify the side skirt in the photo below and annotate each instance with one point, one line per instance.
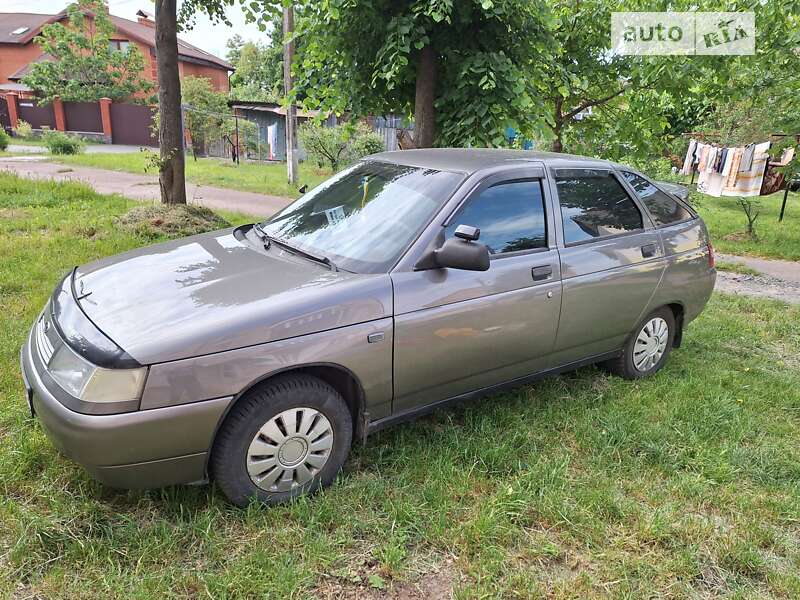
(411, 414)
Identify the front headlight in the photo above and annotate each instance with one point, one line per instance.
(91, 383)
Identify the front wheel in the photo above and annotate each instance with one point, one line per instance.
(647, 349)
(287, 437)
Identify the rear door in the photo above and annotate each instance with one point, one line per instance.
(459, 331)
(612, 260)
(688, 278)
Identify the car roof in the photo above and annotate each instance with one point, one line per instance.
(472, 160)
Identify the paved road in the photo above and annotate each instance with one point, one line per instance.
(143, 187)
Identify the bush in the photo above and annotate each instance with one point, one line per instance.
(23, 129)
(58, 142)
(4, 139)
(338, 146)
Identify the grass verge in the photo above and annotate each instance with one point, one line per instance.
(248, 177)
(736, 268)
(726, 223)
(581, 486)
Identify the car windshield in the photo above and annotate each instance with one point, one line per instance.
(363, 218)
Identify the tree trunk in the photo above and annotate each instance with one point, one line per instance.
(559, 125)
(424, 109)
(170, 130)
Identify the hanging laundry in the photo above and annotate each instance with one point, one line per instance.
(688, 162)
(748, 182)
(747, 158)
(726, 168)
(734, 167)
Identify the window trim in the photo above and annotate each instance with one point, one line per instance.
(491, 181)
(678, 201)
(647, 222)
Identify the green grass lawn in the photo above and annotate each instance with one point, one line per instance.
(582, 485)
(726, 223)
(249, 177)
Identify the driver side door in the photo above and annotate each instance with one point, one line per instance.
(461, 331)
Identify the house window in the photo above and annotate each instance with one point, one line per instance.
(118, 45)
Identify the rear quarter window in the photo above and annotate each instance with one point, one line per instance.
(663, 208)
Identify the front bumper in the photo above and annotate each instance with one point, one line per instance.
(140, 449)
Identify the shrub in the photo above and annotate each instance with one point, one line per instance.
(338, 146)
(23, 129)
(58, 142)
(365, 142)
(4, 139)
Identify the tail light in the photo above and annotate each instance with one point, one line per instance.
(712, 260)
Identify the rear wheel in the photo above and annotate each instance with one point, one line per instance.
(287, 437)
(647, 349)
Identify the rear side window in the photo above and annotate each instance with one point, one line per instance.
(510, 216)
(594, 206)
(664, 209)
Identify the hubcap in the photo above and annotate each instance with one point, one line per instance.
(650, 344)
(290, 449)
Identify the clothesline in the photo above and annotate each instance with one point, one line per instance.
(733, 171)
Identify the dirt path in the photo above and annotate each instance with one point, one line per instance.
(786, 270)
(143, 187)
(777, 279)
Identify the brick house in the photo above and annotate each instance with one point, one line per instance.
(18, 50)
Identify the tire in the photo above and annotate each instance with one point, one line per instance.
(625, 365)
(286, 423)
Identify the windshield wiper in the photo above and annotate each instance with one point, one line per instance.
(315, 257)
(262, 235)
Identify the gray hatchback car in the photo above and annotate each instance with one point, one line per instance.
(257, 355)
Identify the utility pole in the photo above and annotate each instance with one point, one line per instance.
(291, 109)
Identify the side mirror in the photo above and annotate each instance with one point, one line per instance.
(461, 252)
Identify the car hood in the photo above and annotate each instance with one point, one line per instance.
(220, 291)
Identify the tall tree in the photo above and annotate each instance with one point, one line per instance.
(464, 70)
(81, 65)
(259, 66)
(171, 171)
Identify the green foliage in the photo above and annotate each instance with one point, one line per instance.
(205, 111)
(482, 87)
(23, 129)
(659, 167)
(83, 68)
(4, 140)
(535, 66)
(338, 146)
(58, 142)
(259, 67)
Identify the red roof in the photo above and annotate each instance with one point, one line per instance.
(28, 25)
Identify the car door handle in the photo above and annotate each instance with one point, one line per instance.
(648, 250)
(541, 272)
